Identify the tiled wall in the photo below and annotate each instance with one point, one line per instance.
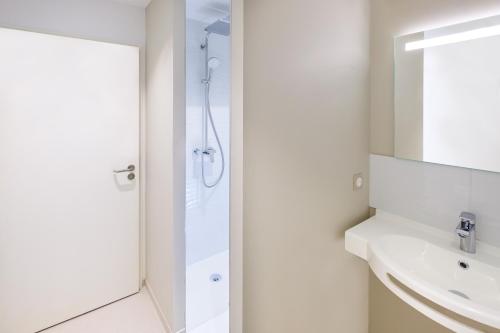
(207, 210)
(436, 194)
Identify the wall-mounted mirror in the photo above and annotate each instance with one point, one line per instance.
(447, 95)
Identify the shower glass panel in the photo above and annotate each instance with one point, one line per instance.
(207, 174)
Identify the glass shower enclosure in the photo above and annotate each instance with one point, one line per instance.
(207, 165)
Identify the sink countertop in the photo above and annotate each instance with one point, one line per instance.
(358, 237)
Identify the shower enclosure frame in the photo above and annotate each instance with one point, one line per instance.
(235, 169)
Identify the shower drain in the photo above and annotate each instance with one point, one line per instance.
(215, 278)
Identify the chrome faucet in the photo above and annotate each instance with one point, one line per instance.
(466, 230)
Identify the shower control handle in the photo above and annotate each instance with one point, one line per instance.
(210, 152)
(130, 168)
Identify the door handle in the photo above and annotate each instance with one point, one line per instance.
(130, 168)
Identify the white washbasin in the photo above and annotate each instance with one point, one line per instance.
(428, 262)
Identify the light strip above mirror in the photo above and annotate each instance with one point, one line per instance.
(454, 38)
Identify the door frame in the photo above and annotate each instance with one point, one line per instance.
(142, 167)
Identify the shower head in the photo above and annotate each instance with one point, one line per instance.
(219, 27)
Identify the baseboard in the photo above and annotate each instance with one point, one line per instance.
(162, 316)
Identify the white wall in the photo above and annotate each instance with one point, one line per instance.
(102, 20)
(207, 210)
(166, 159)
(306, 131)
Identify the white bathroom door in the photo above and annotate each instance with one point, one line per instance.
(69, 225)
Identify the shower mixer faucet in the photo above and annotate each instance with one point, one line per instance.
(209, 152)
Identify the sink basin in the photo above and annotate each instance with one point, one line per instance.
(406, 255)
(447, 270)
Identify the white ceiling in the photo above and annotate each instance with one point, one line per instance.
(137, 3)
(206, 11)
